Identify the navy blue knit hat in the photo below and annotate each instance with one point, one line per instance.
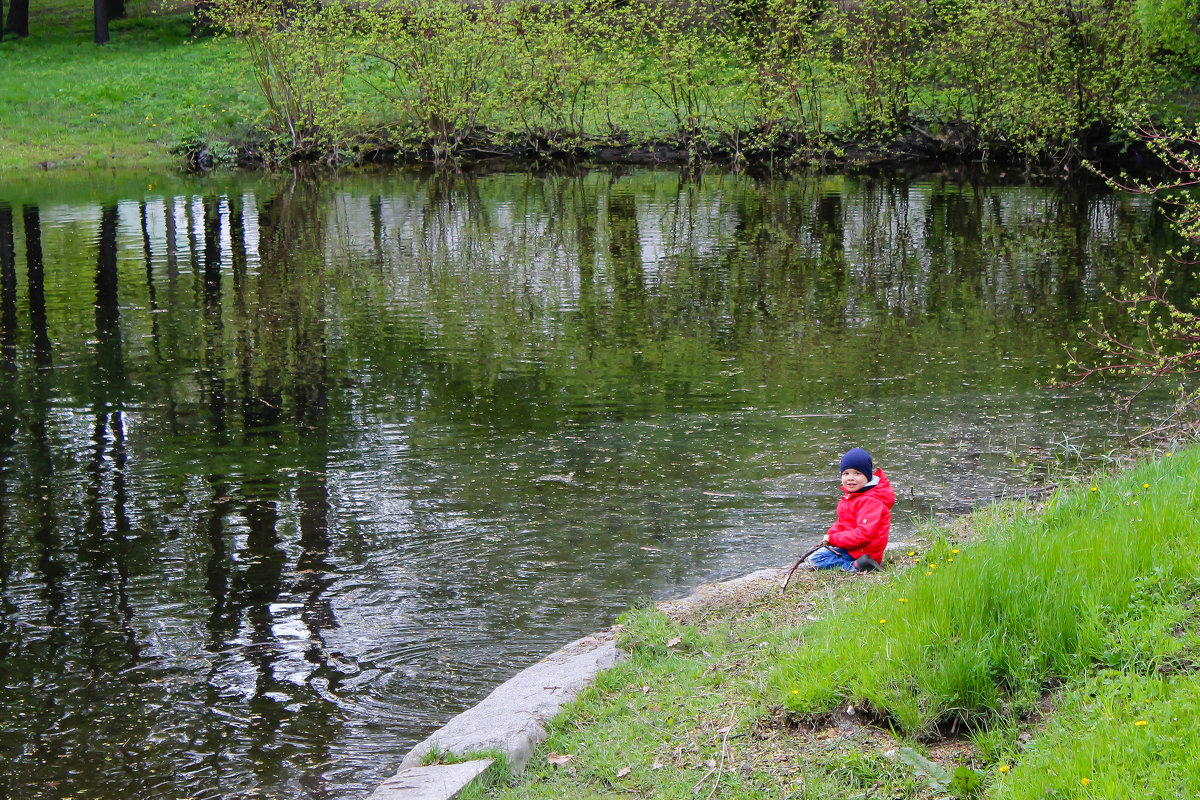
(858, 459)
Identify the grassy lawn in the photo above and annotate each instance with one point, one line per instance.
(68, 102)
(540, 79)
(1051, 652)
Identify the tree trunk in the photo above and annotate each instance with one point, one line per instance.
(18, 18)
(116, 9)
(100, 19)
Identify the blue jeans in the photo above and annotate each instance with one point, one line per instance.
(830, 557)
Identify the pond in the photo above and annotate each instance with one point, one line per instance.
(292, 469)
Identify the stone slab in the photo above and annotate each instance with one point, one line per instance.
(712, 596)
(512, 718)
(434, 782)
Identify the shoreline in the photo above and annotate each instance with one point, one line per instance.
(501, 732)
(510, 721)
(917, 149)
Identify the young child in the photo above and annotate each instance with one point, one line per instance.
(864, 516)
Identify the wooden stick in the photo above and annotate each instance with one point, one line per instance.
(796, 566)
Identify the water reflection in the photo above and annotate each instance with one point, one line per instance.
(292, 470)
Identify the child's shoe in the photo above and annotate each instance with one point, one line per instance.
(865, 563)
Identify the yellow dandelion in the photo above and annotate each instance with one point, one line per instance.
(949, 560)
(1094, 489)
(1168, 455)
(954, 550)
(1141, 723)
(912, 552)
(1145, 486)
(927, 572)
(795, 691)
(1084, 781)
(933, 566)
(902, 600)
(883, 620)
(1005, 768)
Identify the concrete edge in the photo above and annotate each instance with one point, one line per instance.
(511, 720)
(435, 781)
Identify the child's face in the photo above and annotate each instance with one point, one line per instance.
(853, 480)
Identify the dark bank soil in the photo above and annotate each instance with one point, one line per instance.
(918, 147)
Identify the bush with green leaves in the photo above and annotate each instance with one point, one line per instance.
(683, 60)
(883, 46)
(440, 63)
(1172, 26)
(1042, 78)
(565, 62)
(298, 52)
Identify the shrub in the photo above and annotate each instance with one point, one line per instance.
(1043, 75)
(441, 58)
(299, 55)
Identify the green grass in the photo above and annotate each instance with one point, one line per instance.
(1064, 639)
(970, 637)
(68, 102)
(153, 87)
(684, 717)
(1116, 735)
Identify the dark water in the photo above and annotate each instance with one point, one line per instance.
(293, 471)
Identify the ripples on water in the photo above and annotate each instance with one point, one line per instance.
(291, 472)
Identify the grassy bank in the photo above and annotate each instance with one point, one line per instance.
(65, 102)
(773, 82)
(1027, 651)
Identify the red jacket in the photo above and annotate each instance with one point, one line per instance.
(864, 519)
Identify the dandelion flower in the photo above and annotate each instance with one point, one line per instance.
(1145, 486)
(1084, 781)
(1141, 723)
(883, 620)
(954, 550)
(795, 691)
(912, 552)
(1005, 768)
(1094, 489)
(902, 600)
(1168, 455)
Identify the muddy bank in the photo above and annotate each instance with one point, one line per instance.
(918, 148)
